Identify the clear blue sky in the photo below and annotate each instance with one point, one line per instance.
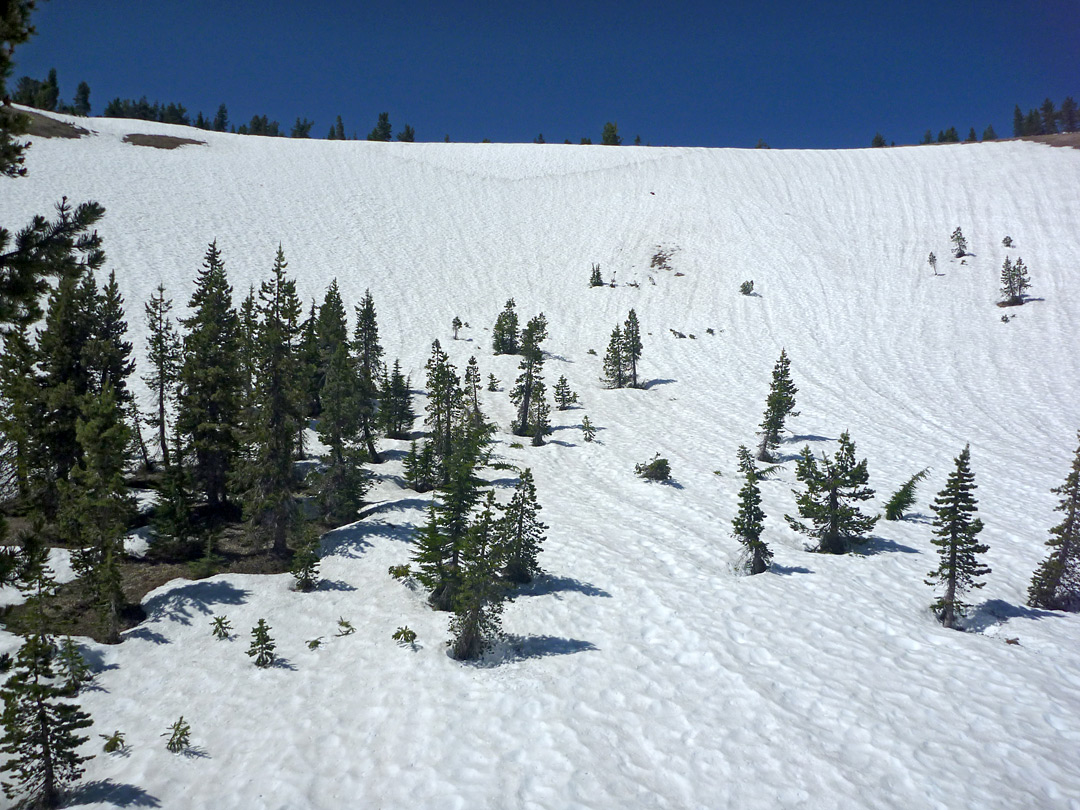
(798, 74)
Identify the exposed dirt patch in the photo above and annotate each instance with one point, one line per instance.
(1061, 139)
(41, 126)
(160, 141)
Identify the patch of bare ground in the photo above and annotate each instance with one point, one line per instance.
(1060, 139)
(41, 126)
(160, 141)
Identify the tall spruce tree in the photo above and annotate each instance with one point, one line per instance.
(504, 335)
(531, 368)
(164, 354)
(749, 524)
(1056, 583)
(631, 351)
(211, 380)
(331, 330)
(20, 411)
(779, 405)
(41, 736)
(266, 476)
(522, 532)
(614, 361)
(343, 483)
(956, 526)
(829, 503)
(396, 415)
(445, 408)
(308, 355)
(369, 360)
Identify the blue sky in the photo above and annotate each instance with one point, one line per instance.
(797, 74)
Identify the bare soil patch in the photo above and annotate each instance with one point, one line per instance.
(160, 141)
(41, 126)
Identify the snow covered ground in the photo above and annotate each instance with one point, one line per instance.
(640, 672)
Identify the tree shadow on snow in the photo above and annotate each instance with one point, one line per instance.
(518, 648)
(809, 437)
(998, 611)
(352, 541)
(146, 634)
(281, 663)
(653, 383)
(106, 791)
(176, 605)
(788, 570)
(399, 505)
(333, 585)
(545, 585)
(879, 545)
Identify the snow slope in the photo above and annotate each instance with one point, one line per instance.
(640, 672)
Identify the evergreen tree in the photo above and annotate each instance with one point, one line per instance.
(614, 362)
(262, 646)
(1033, 123)
(370, 365)
(267, 474)
(531, 368)
(445, 408)
(81, 105)
(1068, 114)
(932, 261)
(522, 532)
(1048, 117)
(989, 134)
(927, 138)
(20, 408)
(1018, 122)
(878, 140)
(1056, 583)
(564, 397)
(959, 243)
(473, 414)
(904, 498)
(479, 597)
(956, 526)
(173, 517)
(504, 336)
(396, 413)
(221, 120)
(779, 405)
(302, 128)
(163, 353)
(1014, 282)
(407, 134)
(749, 524)
(307, 353)
(15, 29)
(421, 471)
(829, 500)
(610, 135)
(595, 279)
(41, 729)
(305, 563)
(540, 417)
(631, 350)
(210, 378)
(343, 483)
(248, 343)
(588, 431)
(382, 131)
(971, 137)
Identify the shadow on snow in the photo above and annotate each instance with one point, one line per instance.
(177, 604)
(998, 611)
(114, 793)
(545, 585)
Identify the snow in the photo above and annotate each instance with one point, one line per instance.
(640, 672)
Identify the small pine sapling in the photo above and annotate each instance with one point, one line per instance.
(956, 526)
(588, 430)
(564, 397)
(314, 643)
(179, 735)
(748, 526)
(748, 465)
(493, 383)
(932, 261)
(1007, 242)
(1056, 583)
(657, 469)
(456, 326)
(779, 405)
(747, 288)
(305, 562)
(345, 628)
(904, 498)
(221, 627)
(522, 532)
(262, 645)
(114, 743)
(405, 636)
(400, 571)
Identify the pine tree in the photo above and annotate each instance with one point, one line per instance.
(221, 119)
(1069, 119)
(749, 524)
(904, 498)
(959, 243)
(262, 646)
(473, 414)
(1049, 117)
(266, 476)
(531, 368)
(343, 484)
(396, 415)
(1018, 122)
(72, 667)
(956, 527)
(305, 563)
(927, 138)
(631, 350)
(829, 500)
(878, 140)
(110, 352)
(564, 397)
(595, 279)
(15, 29)
(478, 599)
(1014, 282)
(382, 130)
(1056, 583)
(522, 532)
(445, 408)
(779, 405)
(163, 353)
(504, 336)
(369, 355)
(540, 414)
(407, 134)
(41, 730)
(421, 472)
(307, 350)
(614, 363)
(610, 135)
(932, 261)
(211, 380)
(81, 103)
(21, 408)
(588, 431)
(173, 520)
(989, 134)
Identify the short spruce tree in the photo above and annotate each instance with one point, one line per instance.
(262, 646)
(829, 503)
(956, 527)
(959, 243)
(614, 361)
(478, 599)
(1056, 583)
(504, 337)
(564, 397)
(779, 405)
(904, 498)
(748, 526)
(522, 531)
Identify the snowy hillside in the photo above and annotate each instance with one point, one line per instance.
(641, 672)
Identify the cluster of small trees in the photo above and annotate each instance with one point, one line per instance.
(623, 353)
(1046, 119)
(45, 95)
